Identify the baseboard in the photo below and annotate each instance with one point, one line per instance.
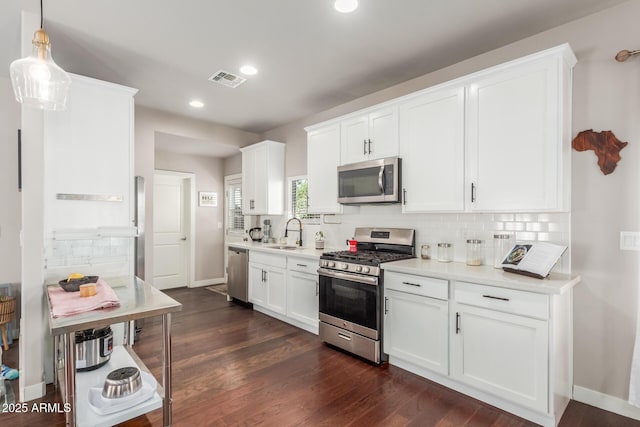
(606, 402)
(31, 392)
(208, 282)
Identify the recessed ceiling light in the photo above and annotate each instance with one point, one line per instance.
(249, 70)
(346, 6)
(196, 104)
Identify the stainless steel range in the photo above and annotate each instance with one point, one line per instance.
(351, 291)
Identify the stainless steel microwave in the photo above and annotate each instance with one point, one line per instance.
(373, 181)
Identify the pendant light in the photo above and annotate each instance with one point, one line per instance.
(38, 81)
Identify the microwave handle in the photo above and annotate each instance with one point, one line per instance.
(381, 179)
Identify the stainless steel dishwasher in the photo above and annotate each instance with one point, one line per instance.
(238, 274)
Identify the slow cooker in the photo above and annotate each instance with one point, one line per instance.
(93, 348)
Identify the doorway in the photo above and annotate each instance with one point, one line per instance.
(173, 229)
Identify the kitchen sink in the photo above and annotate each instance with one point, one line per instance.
(282, 247)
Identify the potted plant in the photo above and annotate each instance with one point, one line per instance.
(319, 240)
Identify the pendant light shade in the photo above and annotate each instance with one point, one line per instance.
(37, 80)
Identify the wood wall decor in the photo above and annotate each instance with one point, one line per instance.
(605, 144)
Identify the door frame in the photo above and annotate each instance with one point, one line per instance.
(190, 216)
(227, 180)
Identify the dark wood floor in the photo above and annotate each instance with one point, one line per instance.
(233, 366)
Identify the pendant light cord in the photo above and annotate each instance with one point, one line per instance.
(41, 16)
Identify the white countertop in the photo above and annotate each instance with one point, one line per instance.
(484, 274)
(305, 252)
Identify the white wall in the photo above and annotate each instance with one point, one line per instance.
(606, 97)
(148, 122)
(9, 194)
(209, 238)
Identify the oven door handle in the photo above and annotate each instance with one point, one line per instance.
(367, 280)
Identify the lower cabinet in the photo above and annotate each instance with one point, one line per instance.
(508, 347)
(285, 287)
(302, 297)
(502, 353)
(416, 330)
(267, 281)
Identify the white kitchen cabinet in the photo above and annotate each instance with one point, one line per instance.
(323, 159)
(257, 285)
(518, 135)
(369, 136)
(416, 330)
(88, 156)
(510, 336)
(263, 178)
(500, 344)
(267, 281)
(302, 298)
(432, 151)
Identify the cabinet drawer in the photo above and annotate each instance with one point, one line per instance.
(418, 285)
(279, 261)
(304, 265)
(501, 299)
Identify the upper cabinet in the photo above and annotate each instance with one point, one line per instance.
(263, 178)
(88, 157)
(323, 159)
(432, 151)
(493, 141)
(518, 135)
(370, 136)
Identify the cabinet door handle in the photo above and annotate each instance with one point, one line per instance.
(369, 146)
(317, 288)
(386, 309)
(266, 277)
(411, 284)
(264, 273)
(302, 265)
(457, 323)
(364, 146)
(473, 193)
(404, 196)
(498, 298)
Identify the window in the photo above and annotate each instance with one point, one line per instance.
(299, 200)
(235, 219)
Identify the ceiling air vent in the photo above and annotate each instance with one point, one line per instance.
(227, 79)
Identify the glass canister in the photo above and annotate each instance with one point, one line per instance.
(475, 252)
(445, 252)
(425, 252)
(502, 242)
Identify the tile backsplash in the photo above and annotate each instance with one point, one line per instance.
(87, 251)
(453, 228)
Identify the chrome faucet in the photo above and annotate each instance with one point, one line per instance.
(286, 230)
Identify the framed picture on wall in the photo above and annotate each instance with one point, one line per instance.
(208, 199)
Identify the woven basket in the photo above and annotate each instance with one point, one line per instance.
(7, 309)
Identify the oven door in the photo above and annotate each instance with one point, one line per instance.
(350, 301)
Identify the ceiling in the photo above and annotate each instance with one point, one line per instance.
(310, 57)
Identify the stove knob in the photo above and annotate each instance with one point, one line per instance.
(359, 268)
(331, 264)
(344, 266)
(324, 263)
(366, 270)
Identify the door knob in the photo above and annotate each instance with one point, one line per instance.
(184, 238)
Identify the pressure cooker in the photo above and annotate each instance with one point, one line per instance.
(93, 348)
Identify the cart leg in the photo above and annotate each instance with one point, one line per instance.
(166, 368)
(70, 377)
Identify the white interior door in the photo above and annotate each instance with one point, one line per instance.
(170, 231)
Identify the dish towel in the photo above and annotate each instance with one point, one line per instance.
(65, 303)
(634, 380)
